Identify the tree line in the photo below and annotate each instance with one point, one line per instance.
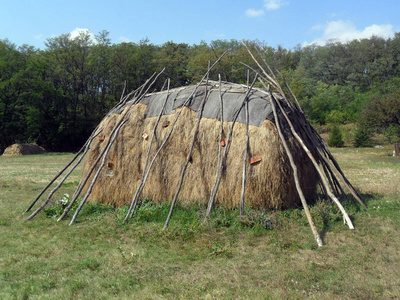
(56, 96)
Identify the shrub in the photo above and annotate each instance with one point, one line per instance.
(362, 138)
(335, 137)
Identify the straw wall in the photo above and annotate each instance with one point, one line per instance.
(269, 183)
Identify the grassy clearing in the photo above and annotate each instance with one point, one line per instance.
(265, 255)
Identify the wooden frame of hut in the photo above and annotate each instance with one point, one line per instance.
(214, 142)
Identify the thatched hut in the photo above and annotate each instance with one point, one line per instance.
(269, 181)
(213, 143)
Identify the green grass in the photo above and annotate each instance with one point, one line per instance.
(263, 255)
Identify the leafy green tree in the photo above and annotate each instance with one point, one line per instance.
(12, 87)
(383, 111)
(174, 58)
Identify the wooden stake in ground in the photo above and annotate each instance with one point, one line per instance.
(139, 190)
(245, 153)
(214, 190)
(123, 119)
(146, 169)
(188, 158)
(295, 175)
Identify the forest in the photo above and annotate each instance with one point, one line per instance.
(57, 95)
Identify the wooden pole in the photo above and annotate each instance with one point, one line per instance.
(225, 154)
(144, 175)
(98, 170)
(188, 158)
(84, 149)
(245, 153)
(128, 110)
(316, 166)
(295, 175)
(53, 180)
(139, 190)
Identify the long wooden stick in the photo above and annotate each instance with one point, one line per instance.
(245, 160)
(270, 79)
(113, 138)
(221, 117)
(188, 158)
(219, 161)
(155, 127)
(58, 186)
(331, 163)
(246, 146)
(115, 132)
(309, 154)
(144, 177)
(54, 179)
(291, 93)
(330, 194)
(316, 166)
(139, 190)
(295, 175)
(84, 181)
(84, 149)
(225, 154)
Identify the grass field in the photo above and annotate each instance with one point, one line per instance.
(265, 255)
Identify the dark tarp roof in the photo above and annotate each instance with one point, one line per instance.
(233, 96)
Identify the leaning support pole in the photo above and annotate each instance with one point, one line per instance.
(214, 190)
(116, 130)
(323, 152)
(144, 174)
(53, 180)
(57, 187)
(221, 118)
(98, 171)
(84, 149)
(139, 190)
(316, 166)
(332, 164)
(245, 154)
(295, 175)
(188, 158)
(325, 162)
(128, 110)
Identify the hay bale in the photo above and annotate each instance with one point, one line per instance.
(269, 184)
(23, 149)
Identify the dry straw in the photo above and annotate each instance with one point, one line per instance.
(269, 183)
(23, 149)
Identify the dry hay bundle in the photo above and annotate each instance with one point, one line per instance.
(269, 182)
(23, 149)
(214, 143)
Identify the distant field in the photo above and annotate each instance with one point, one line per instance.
(265, 255)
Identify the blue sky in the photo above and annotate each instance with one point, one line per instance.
(277, 22)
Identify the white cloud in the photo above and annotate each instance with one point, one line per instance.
(274, 4)
(77, 31)
(268, 5)
(345, 31)
(254, 12)
(39, 36)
